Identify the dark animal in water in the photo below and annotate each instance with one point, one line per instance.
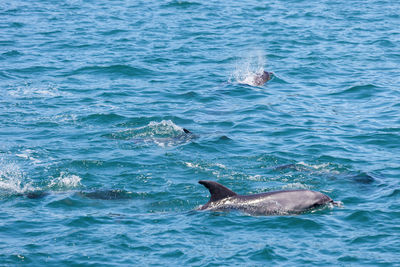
(263, 78)
(257, 79)
(112, 194)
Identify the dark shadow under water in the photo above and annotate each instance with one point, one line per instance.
(107, 194)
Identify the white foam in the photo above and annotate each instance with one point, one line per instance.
(316, 167)
(24, 156)
(161, 143)
(322, 168)
(295, 186)
(30, 91)
(27, 154)
(222, 166)
(192, 165)
(256, 177)
(66, 180)
(12, 179)
(165, 126)
(66, 118)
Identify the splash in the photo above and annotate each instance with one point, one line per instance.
(66, 181)
(13, 181)
(164, 128)
(249, 68)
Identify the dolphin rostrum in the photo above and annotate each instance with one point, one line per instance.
(271, 203)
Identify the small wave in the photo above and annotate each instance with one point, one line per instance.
(361, 91)
(65, 201)
(12, 53)
(394, 193)
(33, 70)
(113, 32)
(17, 25)
(266, 254)
(103, 118)
(360, 216)
(182, 4)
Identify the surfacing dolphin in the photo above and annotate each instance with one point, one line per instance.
(263, 78)
(271, 203)
(257, 79)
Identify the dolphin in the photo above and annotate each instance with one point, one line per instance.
(257, 79)
(271, 203)
(262, 78)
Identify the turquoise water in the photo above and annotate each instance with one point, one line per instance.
(95, 96)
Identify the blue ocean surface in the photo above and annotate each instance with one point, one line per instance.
(96, 168)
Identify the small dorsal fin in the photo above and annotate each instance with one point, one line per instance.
(217, 191)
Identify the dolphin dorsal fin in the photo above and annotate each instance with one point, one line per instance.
(217, 191)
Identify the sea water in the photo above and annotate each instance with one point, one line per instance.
(95, 97)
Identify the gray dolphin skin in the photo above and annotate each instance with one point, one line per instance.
(271, 203)
(262, 78)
